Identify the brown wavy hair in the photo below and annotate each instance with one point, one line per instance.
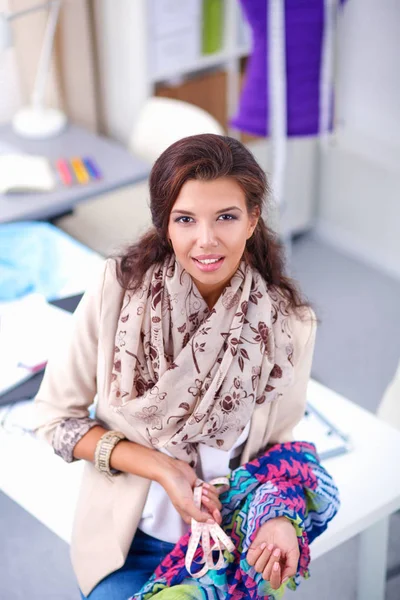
(207, 157)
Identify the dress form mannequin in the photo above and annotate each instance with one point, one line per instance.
(304, 30)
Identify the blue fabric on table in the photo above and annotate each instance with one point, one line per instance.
(33, 258)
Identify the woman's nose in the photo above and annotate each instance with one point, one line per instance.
(207, 237)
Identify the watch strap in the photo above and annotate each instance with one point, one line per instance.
(104, 448)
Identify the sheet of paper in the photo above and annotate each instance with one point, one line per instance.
(25, 172)
(18, 417)
(29, 329)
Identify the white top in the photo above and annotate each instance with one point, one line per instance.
(160, 518)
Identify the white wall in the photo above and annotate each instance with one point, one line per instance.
(121, 32)
(368, 68)
(359, 206)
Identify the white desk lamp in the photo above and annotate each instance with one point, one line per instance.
(36, 121)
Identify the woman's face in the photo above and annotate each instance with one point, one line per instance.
(208, 227)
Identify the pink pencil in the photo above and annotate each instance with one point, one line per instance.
(64, 171)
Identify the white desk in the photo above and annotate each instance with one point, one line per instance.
(118, 166)
(368, 479)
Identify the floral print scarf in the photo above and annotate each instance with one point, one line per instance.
(185, 374)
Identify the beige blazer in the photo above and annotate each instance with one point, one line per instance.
(109, 511)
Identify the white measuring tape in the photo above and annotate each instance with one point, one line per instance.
(276, 39)
(328, 51)
(202, 533)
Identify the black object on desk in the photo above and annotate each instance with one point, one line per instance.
(29, 388)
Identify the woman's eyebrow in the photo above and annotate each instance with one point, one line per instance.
(219, 212)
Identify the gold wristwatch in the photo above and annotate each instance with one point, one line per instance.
(104, 447)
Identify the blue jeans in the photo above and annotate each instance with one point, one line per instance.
(145, 554)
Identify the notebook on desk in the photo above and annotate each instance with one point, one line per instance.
(21, 173)
(25, 383)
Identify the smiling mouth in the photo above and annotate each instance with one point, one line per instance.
(209, 265)
(208, 261)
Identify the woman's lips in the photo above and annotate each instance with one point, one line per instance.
(214, 266)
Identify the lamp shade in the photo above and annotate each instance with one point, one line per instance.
(5, 33)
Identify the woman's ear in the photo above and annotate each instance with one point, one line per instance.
(254, 217)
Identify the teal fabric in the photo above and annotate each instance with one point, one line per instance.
(34, 258)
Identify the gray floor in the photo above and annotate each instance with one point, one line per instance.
(357, 350)
(358, 340)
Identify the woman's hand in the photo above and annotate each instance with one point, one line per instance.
(179, 479)
(275, 551)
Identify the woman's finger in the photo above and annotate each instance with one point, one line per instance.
(216, 489)
(263, 559)
(211, 502)
(217, 516)
(274, 557)
(275, 579)
(254, 552)
(291, 563)
(213, 496)
(213, 510)
(191, 509)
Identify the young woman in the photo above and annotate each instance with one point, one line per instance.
(199, 350)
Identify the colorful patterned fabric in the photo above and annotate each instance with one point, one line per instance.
(288, 480)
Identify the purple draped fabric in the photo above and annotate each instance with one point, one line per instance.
(304, 22)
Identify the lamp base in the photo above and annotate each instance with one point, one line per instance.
(39, 123)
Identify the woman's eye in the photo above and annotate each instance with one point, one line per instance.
(180, 220)
(230, 217)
